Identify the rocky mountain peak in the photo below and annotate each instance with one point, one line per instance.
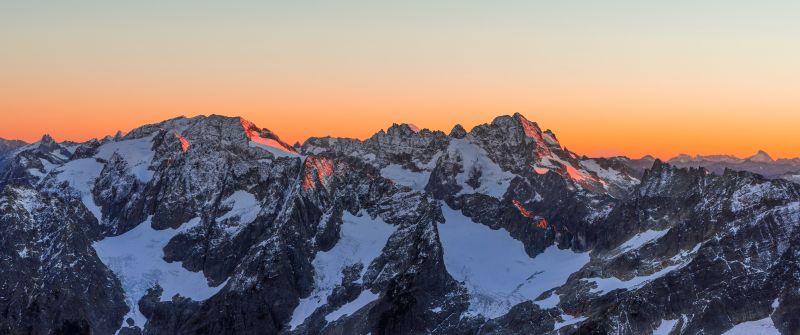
(761, 156)
(47, 139)
(402, 129)
(458, 131)
(48, 145)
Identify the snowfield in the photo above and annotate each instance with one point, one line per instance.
(493, 180)
(138, 154)
(361, 239)
(640, 239)
(80, 174)
(415, 180)
(136, 257)
(495, 268)
(244, 206)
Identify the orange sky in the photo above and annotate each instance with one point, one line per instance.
(623, 77)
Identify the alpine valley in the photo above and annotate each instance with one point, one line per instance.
(213, 225)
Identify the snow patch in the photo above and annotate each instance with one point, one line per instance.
(493, 180)
(568, 321)
(136, 257)
(764, 326)
(665, 327)
(349, 308)
(272, 146)
(495, 268)
(138, 154)
(640, 239)
(80, 175)
(361, 239)
(610, 175)
(680, 260)
(415, 180)
(245, 206)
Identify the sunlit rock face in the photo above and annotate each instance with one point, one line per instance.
(213, 225)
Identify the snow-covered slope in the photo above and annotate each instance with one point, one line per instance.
(361, 240)
(137, 258)
(495, 268)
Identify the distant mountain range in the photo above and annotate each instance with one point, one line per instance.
(7, 146)
(214, 225)
(760, 163)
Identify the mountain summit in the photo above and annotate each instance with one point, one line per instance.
(761, 157)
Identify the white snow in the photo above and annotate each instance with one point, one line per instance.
(549, 302)
(613, 283)
(272, 146)
(683, 258)
(415, 180)
(36, 173)
(764, 326)
(70, 147)
(138, 153)
(495, 268)
(80, 174)
(610, 175)
(568, 321)
(640, 239)
(361, 239)
(665, 327)
(136, 257)
(47, 165)
(349, 308)
(245, 206)
(256, 141)
(493, 181)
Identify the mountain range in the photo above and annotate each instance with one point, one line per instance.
(214, 225)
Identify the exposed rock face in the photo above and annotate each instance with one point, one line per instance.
(26, 165)
(52, 280)
(212, 225)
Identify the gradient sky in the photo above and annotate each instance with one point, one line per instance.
(609, 77)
